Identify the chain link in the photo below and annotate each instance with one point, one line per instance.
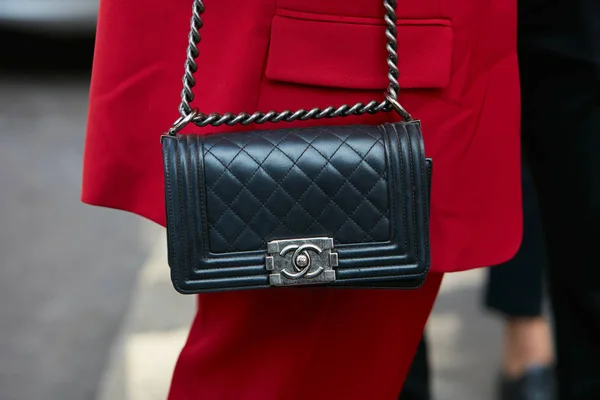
(188, 114)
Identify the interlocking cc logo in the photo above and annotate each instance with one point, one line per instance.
(301, 261)
(307, 261)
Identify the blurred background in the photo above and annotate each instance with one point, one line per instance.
(86, 305)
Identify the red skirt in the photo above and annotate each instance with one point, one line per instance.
(302, 344)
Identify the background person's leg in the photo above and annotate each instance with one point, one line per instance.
(417, 385)
(561, 128)
(515, 291)
(515, 288)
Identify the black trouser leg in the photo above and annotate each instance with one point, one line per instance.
(515, 288)
(416, 386)
(561, 136)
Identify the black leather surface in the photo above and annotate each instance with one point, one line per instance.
(312, 182)
(227, 195)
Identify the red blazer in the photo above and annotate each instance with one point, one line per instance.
(458, 74)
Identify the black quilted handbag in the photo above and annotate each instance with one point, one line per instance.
(337, 206)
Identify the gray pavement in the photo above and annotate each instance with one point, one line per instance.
(86, 308)
(66, 269)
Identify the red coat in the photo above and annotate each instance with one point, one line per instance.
(459, 77)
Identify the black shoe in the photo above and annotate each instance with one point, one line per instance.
(537, 383)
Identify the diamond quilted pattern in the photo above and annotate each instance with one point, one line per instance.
(365, 186)
(323, 181)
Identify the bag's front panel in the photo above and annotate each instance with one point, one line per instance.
(323, 205)
(264, 186)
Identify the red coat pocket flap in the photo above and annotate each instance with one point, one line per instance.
(348, 52)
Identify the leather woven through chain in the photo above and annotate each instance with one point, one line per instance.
(188, 114)
(329, 181)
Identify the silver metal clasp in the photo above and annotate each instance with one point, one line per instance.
(301, 261)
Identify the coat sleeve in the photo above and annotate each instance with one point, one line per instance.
(135, 86)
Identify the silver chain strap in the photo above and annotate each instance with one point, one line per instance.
(215, 119)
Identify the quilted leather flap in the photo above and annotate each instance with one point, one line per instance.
(229, 195)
